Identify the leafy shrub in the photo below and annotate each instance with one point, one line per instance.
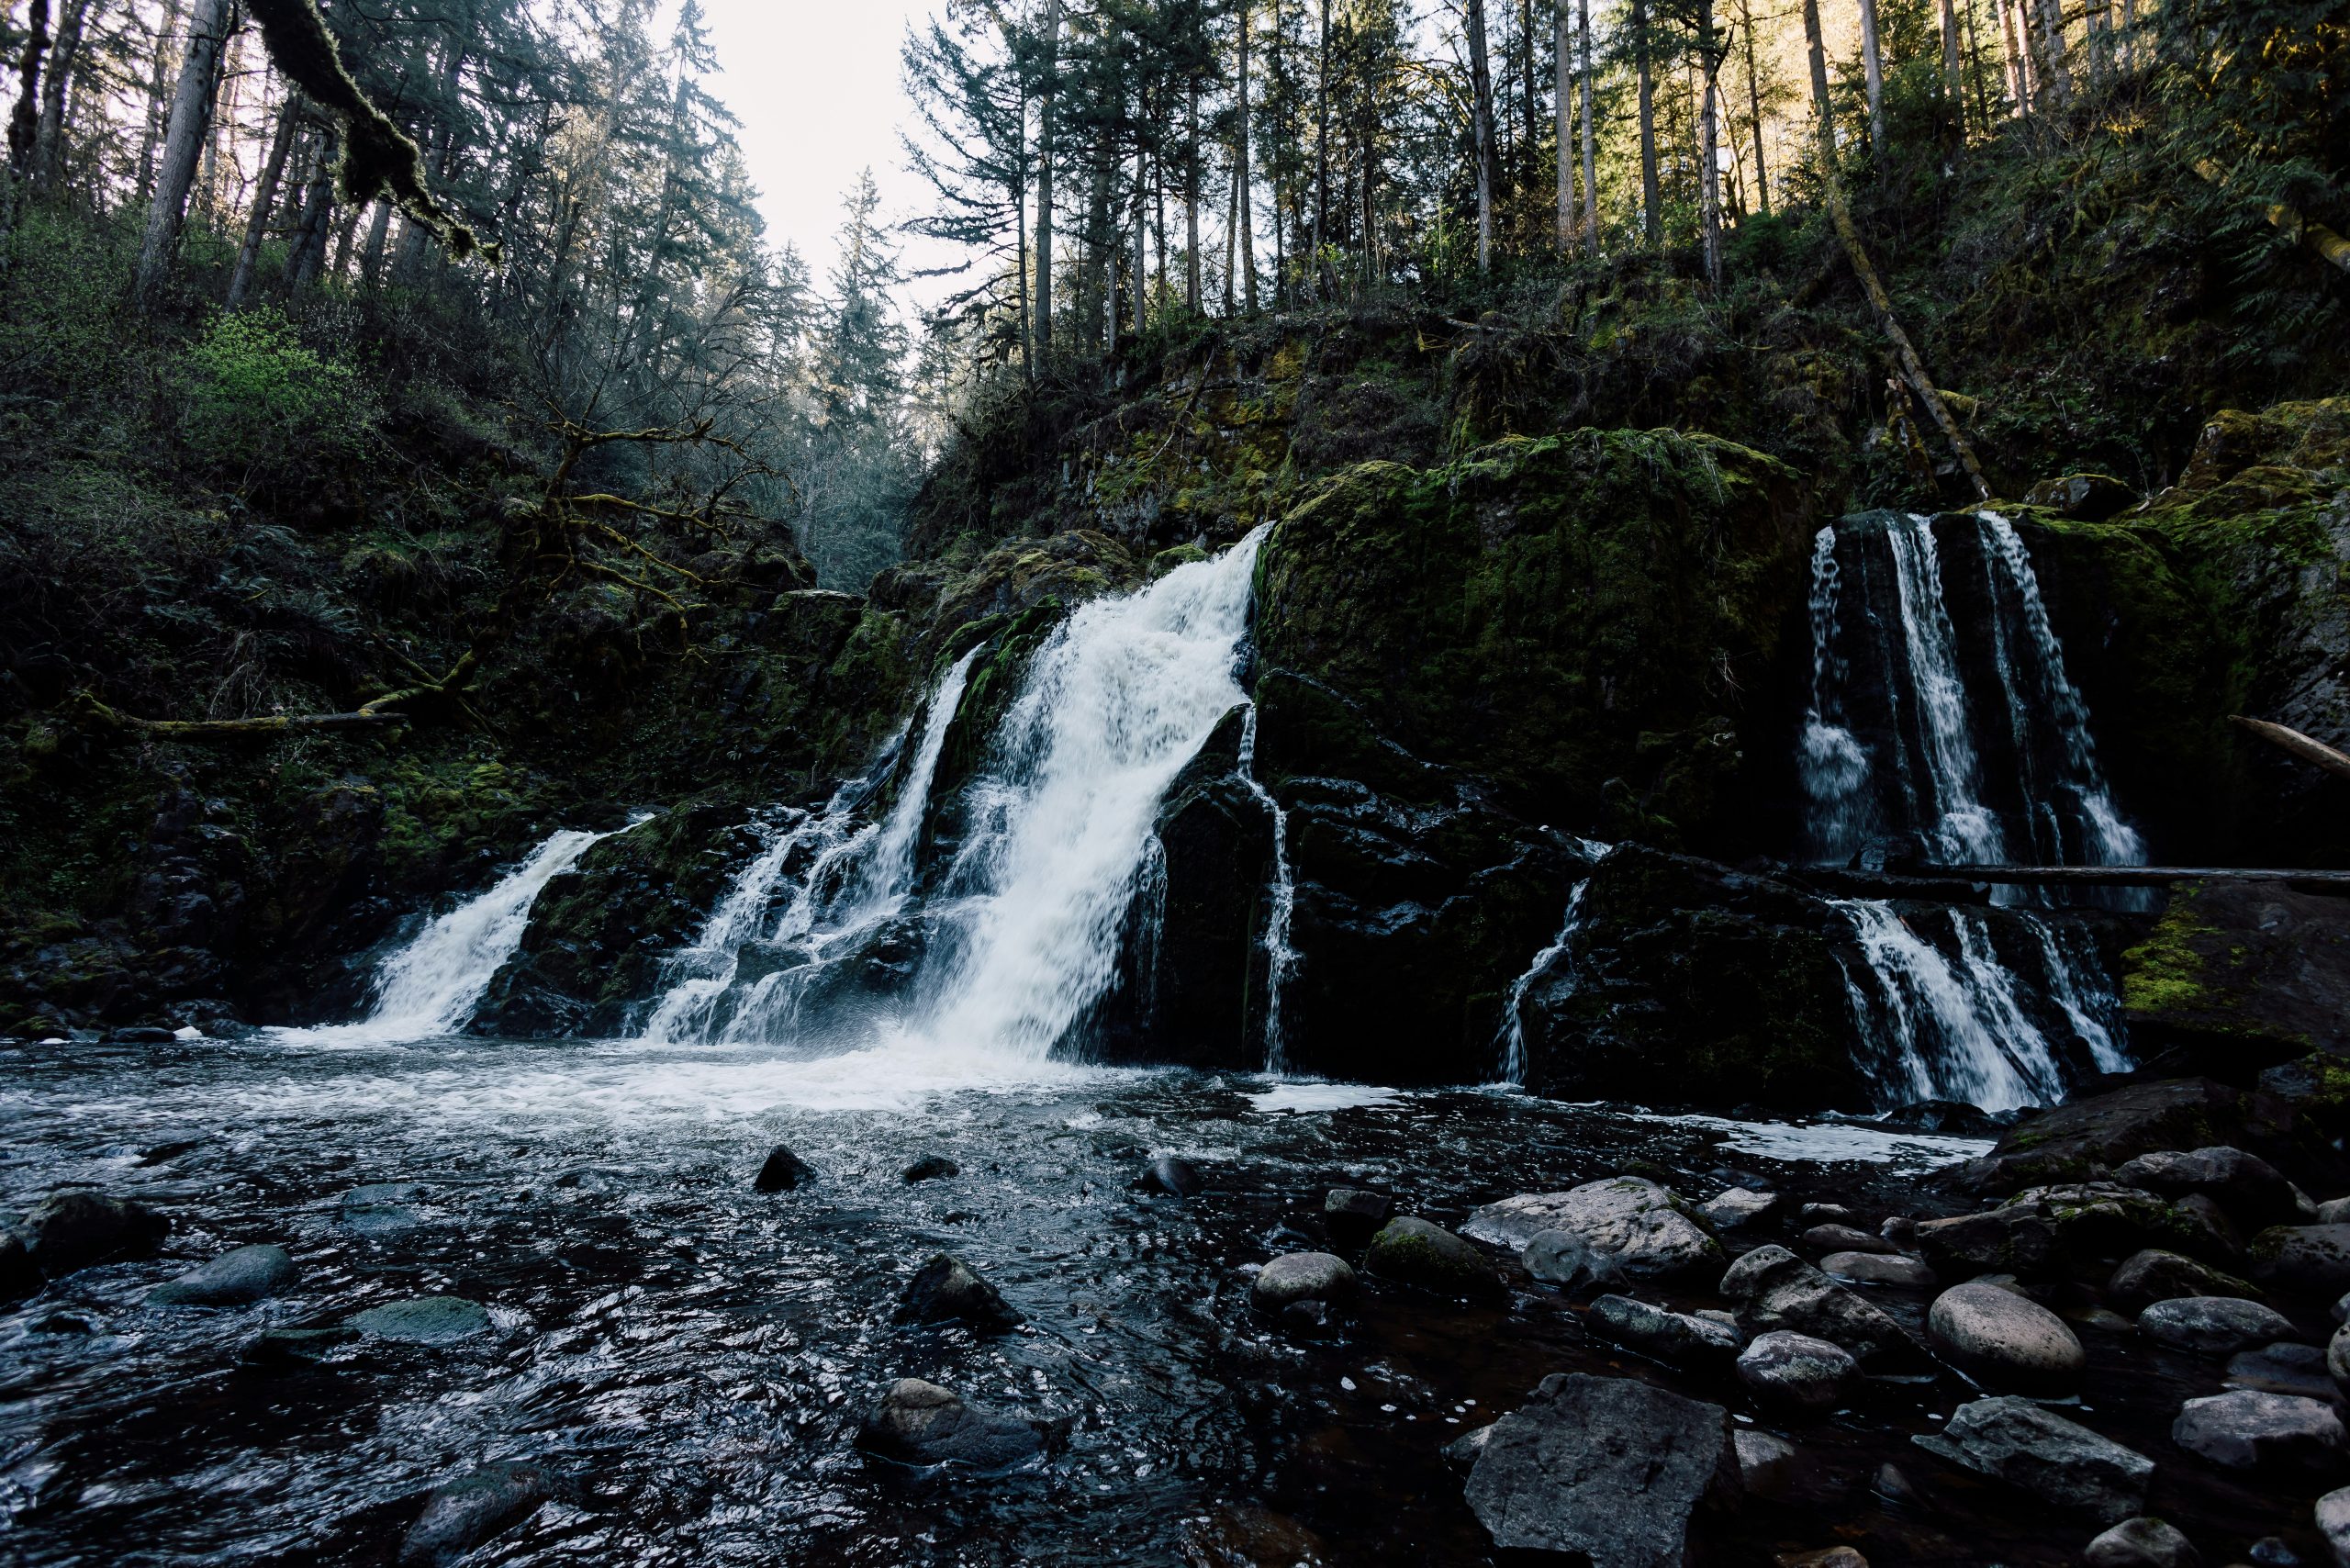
(258, 399)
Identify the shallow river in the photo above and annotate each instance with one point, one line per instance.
(694, 1356)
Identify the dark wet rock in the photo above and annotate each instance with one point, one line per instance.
(2204, 1228)
(2333, 1211)
(2247, 1186)
(1243, 1536)
(1176, 1177)
(1564, 1259)
(2152, 1275)
(1414, 1251)
(2142, 1542)
(2337, 1357)
(1607, 1467)
(2061, 1462)
(380, 1208)
(1462, 1452)
(1889, 1269)
(1693, 1344)
(1352, 1216)
(1769, 1467)
(930, 1168)
(1302, 1276)
(1827, 1214)
(233, 1279)
(465, 1512)
(2045, 1231)
(424, 1320)
(2213, 1325)
(1890, 1482)
(2245, 1430)
(1735, 1206)
(79, 1227)
(1795, 1371)
(947, 1290)
(1844, 1238)
(2071, 1142)
(1648, 1231)
(1216, 838)
(1902, 1230)
(1773, 1288)
(2003, 1340)
(19, 1275)
(2273, 1552)
(2310, 1257)
(2334, 1523)
(291, 1347)
(1831, 1557)
(783, 1171)
(1954, 1118)
(920, 1423)
(2283, 1367)
(171, 1143)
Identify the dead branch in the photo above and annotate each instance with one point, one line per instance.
(379, 712)
(2314, 752)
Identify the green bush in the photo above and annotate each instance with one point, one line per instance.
(259, 399)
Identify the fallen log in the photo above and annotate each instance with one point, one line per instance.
(2123, 876)
(2315, 752)
(377, 714)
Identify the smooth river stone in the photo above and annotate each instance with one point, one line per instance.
(424, 1320)
(1997, 1337)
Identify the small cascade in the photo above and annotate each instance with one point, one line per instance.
(1891, 746)
(833, 872)
(1280, 957)
(1512, 1033)
(431, 986)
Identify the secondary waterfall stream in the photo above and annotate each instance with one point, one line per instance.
(1892, 744)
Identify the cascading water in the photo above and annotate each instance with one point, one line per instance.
(1949, 1022)
(432, 985)
(1280, 957)
(1018, 935)
(1115, 702)
(1513, 1037)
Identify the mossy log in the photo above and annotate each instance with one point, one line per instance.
(380, 712)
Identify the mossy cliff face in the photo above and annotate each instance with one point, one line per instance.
(1574, 618)
(2245, 974)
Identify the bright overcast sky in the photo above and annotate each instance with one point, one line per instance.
(818, 88)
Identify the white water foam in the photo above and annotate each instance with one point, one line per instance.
(1281, 956)
(431, 986)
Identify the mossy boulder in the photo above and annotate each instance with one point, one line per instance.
(1553, 615)
(2242, 975)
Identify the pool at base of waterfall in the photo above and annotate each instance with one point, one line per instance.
(690, 1358)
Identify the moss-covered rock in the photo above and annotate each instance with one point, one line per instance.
(1552, 615)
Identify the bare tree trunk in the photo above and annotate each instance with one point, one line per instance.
(345, 234)
(1589, 132)
(1243, 197)
(1530, 160)
(2051, 24)
(1709, 161)
(1020, 244)
(302, 263)
(1192, 295)
(1951, 83)
(152, 136)
(183, 139)
(65, 58)
(1754, 108)
(1562, 117)
(1142, 247)
(2019, 82)
(1480, 82)
(273, 168)
(24, 122)
(371, 262)
(1652, 188)
(1323, 281)
(1047, 155)
(1873, 67)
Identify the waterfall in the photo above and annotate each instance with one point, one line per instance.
(1280, 957)
(1513, 1066)
(1948, 1020)
(845, 875)
(1117, 700)
(432, 984)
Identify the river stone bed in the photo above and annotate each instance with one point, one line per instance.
(689, 1361)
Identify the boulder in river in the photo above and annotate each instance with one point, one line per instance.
(1564, 1258)
(2142, 1542)
(2334, 1523)
(2310, 1257)
(1770, 1467)
(1352, 1216)
(380, 1208)
(1890, 1268)
(2070, 1142)
(295, 1347)
(424, 1320)
(2001, 1338)
(2247, 1429)
(1607, 1467)
(1773, 1288)
(1693, 1344)
(1845, 1238)
(929, 1168)
(472, 1509)
(1175, 1177)
(2153, 1274)
(920, 1423)
(79, 1226)
(2215, 1325)
(237, 1278)
(1414, 1251)
(1304, 1276)
(1795, 1371)
(784, 1171)
(1648, 1230)
(2247, 1186)
(2337, 1357)
(1735, 1206)
(2062, 1462)
(947, 1290)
